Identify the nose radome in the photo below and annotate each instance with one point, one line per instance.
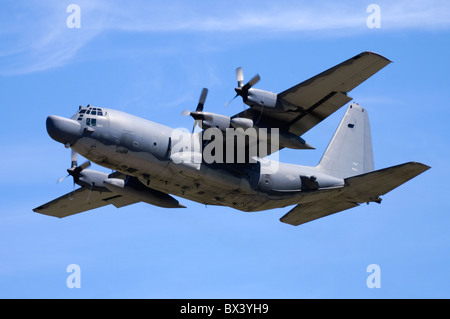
(63, 130)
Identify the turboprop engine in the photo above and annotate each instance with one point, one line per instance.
(208, 120)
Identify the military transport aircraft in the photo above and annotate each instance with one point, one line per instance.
(151, 161)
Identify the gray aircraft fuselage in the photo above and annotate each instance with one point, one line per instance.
(141, 148)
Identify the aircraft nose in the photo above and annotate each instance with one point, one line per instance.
(63, 130)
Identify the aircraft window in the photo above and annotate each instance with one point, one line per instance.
(82, 111)
(80, 117)
(93, 111)
(91, 122)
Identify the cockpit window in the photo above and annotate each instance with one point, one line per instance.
(91, 122)
(92, 111)
(80, 114)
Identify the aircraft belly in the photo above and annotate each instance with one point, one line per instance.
(207, 186)
(210, 187)
(212, 194)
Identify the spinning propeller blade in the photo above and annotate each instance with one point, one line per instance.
(200, 105)
(241, 89)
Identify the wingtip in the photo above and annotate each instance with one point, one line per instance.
(309, 146)
(423, 166)
(377, 54)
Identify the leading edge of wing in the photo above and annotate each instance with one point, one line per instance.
(310, 102)
(343, 77)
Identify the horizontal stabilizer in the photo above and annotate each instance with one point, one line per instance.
(358, 189)
(304, 213)
(367, 187)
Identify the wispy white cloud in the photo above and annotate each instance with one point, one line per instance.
(263, 16)
(35, 36)
(419, 15)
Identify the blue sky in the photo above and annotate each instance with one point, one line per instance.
(152, 59)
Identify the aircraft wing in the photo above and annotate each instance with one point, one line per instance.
(313, 100)
(358, 189)
(82, 200)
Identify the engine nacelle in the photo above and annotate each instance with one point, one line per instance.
(222, 122)
(241, 122)
(208, 120)
(260, 98)
(92, 179)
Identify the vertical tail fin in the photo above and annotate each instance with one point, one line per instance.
(350, 150)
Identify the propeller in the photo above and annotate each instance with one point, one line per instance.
(74, 157)
(242, 90)
(202, 99)
(75, 170)
(240, 77)
(200, 105)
